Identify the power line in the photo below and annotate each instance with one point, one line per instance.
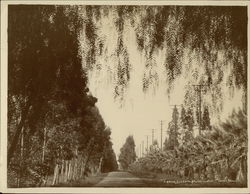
(176, 105)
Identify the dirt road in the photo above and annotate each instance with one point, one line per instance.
(120, 179)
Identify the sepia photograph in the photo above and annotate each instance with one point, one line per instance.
(109, 95)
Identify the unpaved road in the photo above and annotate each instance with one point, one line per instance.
(120, 179)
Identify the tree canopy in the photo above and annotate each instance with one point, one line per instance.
(53, 123)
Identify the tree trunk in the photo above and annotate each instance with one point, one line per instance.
(14, 141)
(45, 180)
(70, 169)
(81, 168)
(100, 165)
(244, 100)
(75, 165)
(62, 172)
(56, 170)
(44, 143)
(78, 168)
(66, 171)
(19, 175)
(73, 168)
(242, 173)
(244, 168)
(87, 161)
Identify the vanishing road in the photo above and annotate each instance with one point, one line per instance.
(120, 179)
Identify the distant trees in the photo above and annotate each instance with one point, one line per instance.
(109, 162)
(173, 130)
(154, 146)
(206, 119)
(127, 155)
(165, 144)
(180, 128)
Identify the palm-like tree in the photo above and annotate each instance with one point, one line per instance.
(218, 154)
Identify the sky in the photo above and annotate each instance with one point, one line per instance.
(140, 112)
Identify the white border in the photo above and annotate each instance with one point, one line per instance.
(128, 2)
(3, 121)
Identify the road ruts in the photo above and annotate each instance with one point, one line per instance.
(121, 179)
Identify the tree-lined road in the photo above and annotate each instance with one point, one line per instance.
(121, 179)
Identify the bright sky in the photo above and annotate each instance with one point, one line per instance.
(141, 112)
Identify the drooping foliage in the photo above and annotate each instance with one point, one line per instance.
(109, 160)
(203, 44)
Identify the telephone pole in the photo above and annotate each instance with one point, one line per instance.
(176, 105)
(140, 151)
(153, 130)
(152, 136)
(199, 88)
(142, 148)
(147, 144)
(161, 121)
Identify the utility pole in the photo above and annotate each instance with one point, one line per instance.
(199, 88)
(161, 132)
(142, 148)
(153, 130)
(140, 151)
(147, 144)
